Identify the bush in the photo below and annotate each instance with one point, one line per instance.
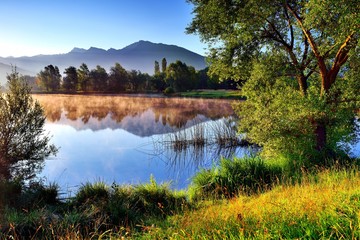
(169, 90)
(240, 175)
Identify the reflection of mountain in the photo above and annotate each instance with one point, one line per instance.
(142, 116)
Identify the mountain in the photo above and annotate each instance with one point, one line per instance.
(138, 56)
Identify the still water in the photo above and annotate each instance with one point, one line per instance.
(121, 138)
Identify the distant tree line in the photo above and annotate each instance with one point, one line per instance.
(175, 77)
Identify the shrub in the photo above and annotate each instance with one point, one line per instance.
(169, 90)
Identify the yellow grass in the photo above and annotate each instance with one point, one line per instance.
(325, 194)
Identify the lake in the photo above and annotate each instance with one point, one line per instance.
(125, 139)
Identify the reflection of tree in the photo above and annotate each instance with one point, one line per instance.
(174, 112)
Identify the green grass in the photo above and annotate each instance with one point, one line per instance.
(224, 94)
(323, 206)
(254, 199)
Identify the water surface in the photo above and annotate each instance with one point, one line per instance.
(119, 138)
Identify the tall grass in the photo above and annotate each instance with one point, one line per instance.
(97, 210)
(234, 176)
(325, 205)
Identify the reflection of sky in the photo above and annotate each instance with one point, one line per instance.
(111, 138)
(126, 151)
(108, 155)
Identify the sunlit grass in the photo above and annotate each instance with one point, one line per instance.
(325, 205)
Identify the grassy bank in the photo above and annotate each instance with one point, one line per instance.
(237, 199)
(223, 94)
(322, 206)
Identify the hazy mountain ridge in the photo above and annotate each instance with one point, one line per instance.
(140, 56)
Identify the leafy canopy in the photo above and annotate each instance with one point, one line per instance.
(300, 61)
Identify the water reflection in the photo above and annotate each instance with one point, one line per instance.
(112, 138)
(138, 115)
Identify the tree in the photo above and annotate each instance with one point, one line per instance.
(49, 78)
(83, 77)
(23, 143)
(158, 82)
(163, 65)
(180, 76)
(137, 80)
(70, 81)
(118, 79)
(99, 79)
(313, 40)
(156, 68)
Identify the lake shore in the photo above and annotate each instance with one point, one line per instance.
(206, 94)
(320, 205)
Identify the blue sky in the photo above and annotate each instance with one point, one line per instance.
(31, 27)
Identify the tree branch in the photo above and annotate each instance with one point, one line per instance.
(278, 34)
(290, 27)
(342, 56)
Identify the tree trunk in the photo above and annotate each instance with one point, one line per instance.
(302, 84)
(320, 135)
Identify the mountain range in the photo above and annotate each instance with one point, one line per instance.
(140, 56)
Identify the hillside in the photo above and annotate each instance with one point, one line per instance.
(139, 56)
(6, 69)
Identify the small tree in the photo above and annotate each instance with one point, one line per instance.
(163, 65)
(156, 68)
(23, 143)
(83, 77)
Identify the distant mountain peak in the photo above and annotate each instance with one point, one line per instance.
(78, 50)
(96, 50)
(139, 56)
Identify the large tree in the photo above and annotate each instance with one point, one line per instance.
(23, 142)
(311, 45)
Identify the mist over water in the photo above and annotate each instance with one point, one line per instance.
(119, 138)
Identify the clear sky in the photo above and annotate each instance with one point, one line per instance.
(31, 27)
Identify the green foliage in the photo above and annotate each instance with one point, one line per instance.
(300, 60)
(118, 78)
(240, 175)
(169, 90)
(98, 79)
(128, 204)
(92, 193)
(70, 81)
(156, 68)
(180, 77)
(83, 74)
(23, 143)
(277, 117)
(49, 78)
